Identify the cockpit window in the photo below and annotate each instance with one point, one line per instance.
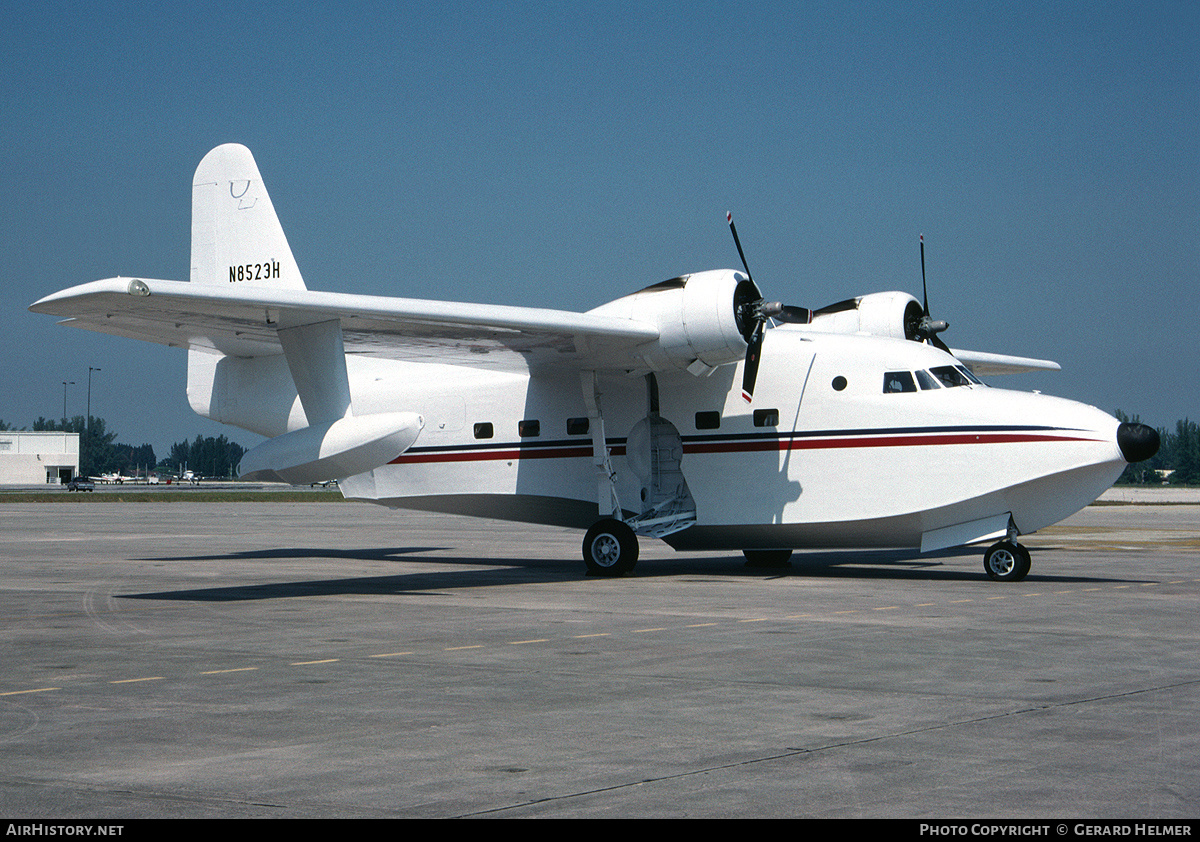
(950, 376)
(927, 381)
(898, 381)
(970, 376)
(942, 377)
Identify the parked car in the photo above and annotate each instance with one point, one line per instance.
(81, 484)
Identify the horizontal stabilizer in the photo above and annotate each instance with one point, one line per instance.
(343, 448)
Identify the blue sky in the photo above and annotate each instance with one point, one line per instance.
(561, 155)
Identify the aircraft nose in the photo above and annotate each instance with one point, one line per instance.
(1137, 441)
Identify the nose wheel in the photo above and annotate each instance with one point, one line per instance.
(1006, 561)
(610, 548)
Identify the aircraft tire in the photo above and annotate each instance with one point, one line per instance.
(767, 558)
(1006, 562)
(610, 548)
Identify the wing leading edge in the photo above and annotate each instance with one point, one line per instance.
(243, 321)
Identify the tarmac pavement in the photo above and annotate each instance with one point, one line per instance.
(332, 660)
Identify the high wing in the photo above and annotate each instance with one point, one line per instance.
(244, 321)
(986, 364)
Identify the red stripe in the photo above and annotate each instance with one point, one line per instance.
(873, 441)
(739, 447)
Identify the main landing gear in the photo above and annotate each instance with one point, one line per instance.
(610, 548)
(1006, 561)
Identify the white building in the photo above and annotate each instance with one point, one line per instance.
(36, 458)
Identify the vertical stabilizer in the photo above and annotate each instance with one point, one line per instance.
(237, 240)
(236, 236)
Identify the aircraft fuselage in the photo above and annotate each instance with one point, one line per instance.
(823, 457)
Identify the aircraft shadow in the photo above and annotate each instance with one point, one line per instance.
(895, 565)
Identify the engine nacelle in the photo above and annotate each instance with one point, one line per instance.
(892, 314)
(697, 319)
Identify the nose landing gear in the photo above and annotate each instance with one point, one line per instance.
(1006, 561)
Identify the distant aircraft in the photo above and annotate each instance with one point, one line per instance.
(694, 410)
(116, 478)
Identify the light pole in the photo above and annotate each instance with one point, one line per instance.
(89, 408)
(66, 383)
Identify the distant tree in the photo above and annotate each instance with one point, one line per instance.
(179, 454)
(131, 460)
(207, 456)
(1185, 453)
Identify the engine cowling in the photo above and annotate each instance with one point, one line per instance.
(697, 319)
(891, 314)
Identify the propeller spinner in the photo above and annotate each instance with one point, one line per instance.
(753, 311)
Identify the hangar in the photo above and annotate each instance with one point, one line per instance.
(38, 458)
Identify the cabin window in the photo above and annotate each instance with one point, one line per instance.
(484, 430)
(898, 381)
(766, 418)
(529, 428)
(577, 426)
(708, 420)
(839, 383)
(927, 381)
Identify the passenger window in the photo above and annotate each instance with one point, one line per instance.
(708, 420)
(483, 430)
(898, 381)
(577, 426)
(927, 381)
(766, 418)
(527, 429)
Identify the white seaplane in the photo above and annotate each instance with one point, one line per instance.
(694, 410)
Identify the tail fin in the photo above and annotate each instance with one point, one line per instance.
(236, 236)
(237, 239)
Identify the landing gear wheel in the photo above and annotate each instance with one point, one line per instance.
(610, 548)
(1006, 562)
(767, 558)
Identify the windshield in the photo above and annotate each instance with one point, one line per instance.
(950, 376)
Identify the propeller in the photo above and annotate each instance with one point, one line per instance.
(925, 328)
(752, 312)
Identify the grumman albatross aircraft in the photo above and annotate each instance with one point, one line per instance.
(694, 410)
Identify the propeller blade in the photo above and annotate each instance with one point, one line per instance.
(738, 243)
(927, 329)
(750, 371)
(752, 315)
(924, 290)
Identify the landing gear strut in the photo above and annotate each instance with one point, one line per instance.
(610, 548)
(1006, 561)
